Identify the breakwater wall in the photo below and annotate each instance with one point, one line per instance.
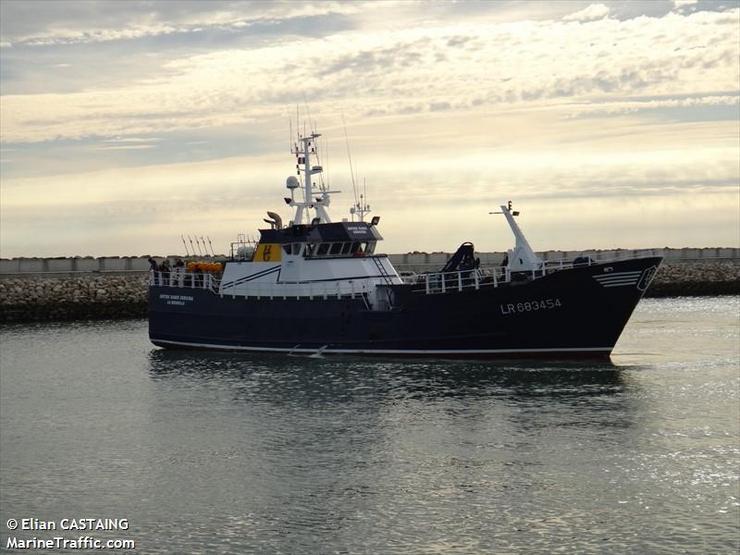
(121, 293)
(413, 261)
(35, 298)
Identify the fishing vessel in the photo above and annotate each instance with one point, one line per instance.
(317, 286)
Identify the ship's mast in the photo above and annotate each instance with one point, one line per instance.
(521, 257)
(303, 150)
(360, 208)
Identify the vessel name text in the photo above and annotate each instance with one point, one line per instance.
(176, 299)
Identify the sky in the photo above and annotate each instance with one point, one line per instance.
(126, 124)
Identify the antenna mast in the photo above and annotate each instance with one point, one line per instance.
(362, 207)
(303, 149)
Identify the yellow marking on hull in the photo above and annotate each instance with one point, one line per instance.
(268, 252)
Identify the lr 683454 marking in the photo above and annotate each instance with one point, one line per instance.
(530, 306)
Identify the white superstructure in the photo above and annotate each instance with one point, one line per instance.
(311, 256)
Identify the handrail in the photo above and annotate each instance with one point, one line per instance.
(458, 280)
(310, 290)
(186, 280)
(596, 258)
(429, 283)
(444, 282)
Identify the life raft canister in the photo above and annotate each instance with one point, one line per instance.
(206, 267)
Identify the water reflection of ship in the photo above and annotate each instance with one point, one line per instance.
(278, 379)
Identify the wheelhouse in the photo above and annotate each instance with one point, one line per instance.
(332, 240)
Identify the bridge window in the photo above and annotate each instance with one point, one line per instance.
(293, 248)
(334, 249)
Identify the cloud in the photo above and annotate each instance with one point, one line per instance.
(634, 105)
(126, 147)
(507, 65)
(593, 12)
(159, 113)
(64, 22)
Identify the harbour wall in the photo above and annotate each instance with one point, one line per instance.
(50, 290)
(413, 261)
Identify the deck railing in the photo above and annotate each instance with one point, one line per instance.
(565, 262)
(321, 290)
(444, 282)
(428, 283)
(188, 280)
(310, 290)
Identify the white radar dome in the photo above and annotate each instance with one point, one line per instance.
(292, 182)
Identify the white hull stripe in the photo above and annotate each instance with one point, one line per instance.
(252, 276)
(618, 279)
(614, 274)
(385, 351)
(626, 278)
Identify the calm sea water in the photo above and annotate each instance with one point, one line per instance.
(225, 453)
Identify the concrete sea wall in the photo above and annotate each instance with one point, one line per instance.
(60, 293)
(414, 261)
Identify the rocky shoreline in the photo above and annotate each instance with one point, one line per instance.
(101, 296)
(88, 297)
(686, 279)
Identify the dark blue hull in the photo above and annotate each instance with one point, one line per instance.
(572, 313)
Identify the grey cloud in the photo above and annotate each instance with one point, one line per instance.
(367, 60)
(376, 112)
(398, 55)
(75, 66)
(457, 41)
(159, 24)
(439, 106)
(22, 18)
(410, 109)
(84, 155)
(626, 79)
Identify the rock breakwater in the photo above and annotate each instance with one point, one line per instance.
(87, 297)
(696, 278)
(100, 296)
